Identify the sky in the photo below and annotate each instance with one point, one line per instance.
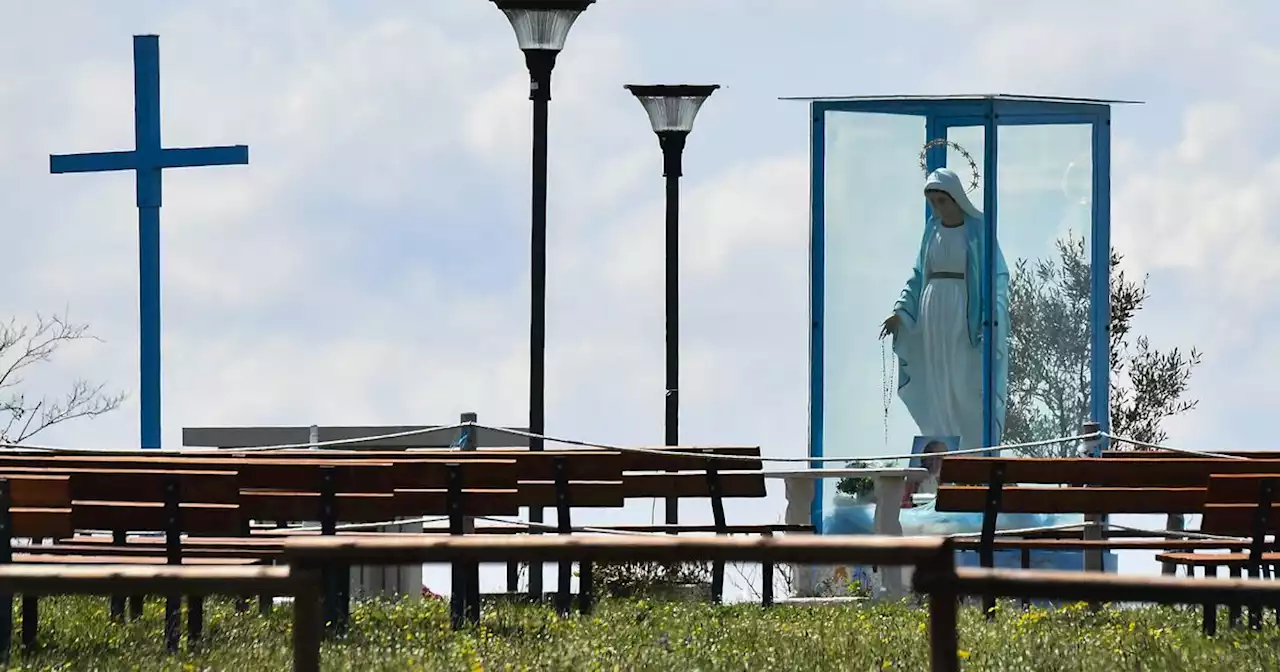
(370, 265)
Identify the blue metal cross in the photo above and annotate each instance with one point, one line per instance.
(148, 159)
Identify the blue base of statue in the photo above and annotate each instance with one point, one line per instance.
(925, 520)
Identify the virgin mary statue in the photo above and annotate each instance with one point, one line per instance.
(937, 322)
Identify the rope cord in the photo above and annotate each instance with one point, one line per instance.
(468, 426)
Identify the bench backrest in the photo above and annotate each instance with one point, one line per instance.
(1087, 485)
(39, 505)
(1232, 505)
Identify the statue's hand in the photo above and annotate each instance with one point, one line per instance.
(890, 326)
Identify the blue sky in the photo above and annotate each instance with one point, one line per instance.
(370, 264)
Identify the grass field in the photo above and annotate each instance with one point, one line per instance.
(637, 635)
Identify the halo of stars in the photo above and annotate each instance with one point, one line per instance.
(964, 154)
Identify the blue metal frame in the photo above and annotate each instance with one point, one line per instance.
(817, 269)
(941, 114)
(148, 159)
(1100, 294)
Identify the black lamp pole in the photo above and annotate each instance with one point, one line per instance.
(541, 27)
(672, 109)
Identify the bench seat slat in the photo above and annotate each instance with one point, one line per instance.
(1074, 500)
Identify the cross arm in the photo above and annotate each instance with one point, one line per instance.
(92, 162)
(190, 157)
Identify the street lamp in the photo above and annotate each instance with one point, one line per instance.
(672, 109)
(541, 27)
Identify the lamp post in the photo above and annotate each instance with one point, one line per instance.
(672, 109)
(541, 27)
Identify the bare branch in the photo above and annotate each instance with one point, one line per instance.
(23, 346)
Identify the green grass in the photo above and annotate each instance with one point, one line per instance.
(635, 635)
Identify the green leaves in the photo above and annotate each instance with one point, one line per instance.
(1050, 352)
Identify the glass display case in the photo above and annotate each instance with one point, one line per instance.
(995, 275)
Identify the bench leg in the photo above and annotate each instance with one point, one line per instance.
(135, 607)
(117, 608)
(586, 587)
(457, 595)
(307, 629)
(564, 588)
(172, 622)
(1209, 621)
(473, 593)
(944, 643)
(1025, 556)
(6, 625)
(766, 584)
(195, 619)
(1233, 611)
(30, 620)
(265, 604)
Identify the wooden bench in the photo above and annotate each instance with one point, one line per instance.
(105, 499)
(1240, 505)
(332, 491)
(1084, 485)
(306, 553)
(944, 585)
(597, 478)
(172, 580)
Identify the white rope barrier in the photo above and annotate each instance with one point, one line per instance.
(748, 458)
(554, 528)
(337, 443)
(1181, 533)
(1172, 449)
(365, 526)
(1024, 530)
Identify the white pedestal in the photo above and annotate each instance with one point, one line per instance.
(388, 582)
(890, 582)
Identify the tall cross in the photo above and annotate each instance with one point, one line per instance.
(148, 159)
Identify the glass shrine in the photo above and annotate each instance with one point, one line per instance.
(1038, 170)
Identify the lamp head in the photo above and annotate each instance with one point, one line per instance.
(542, 25)
(672, 108)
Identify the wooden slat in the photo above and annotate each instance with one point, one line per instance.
(814, 549)
(475, 473)
(581, 493)
(104, 559)
(197, 518)
(1232, 503)
(582, 465)
(970, 543)
(1236, 519)
(106, 579)
(143, 485)
(691, 485)
(1213, 559)
(585, 465)
(1112, 472)
(477, 502)
(50, 523)
(655, 461)
(1074, 500)
(1096, 586)
(350, 475)
(38, 490)
(243, 552)
(1240, 488)
(1170, 455)
(349, 507)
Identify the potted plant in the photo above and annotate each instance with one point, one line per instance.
(854, 490)
(661, 581)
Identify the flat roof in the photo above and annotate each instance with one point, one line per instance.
(967, 96)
